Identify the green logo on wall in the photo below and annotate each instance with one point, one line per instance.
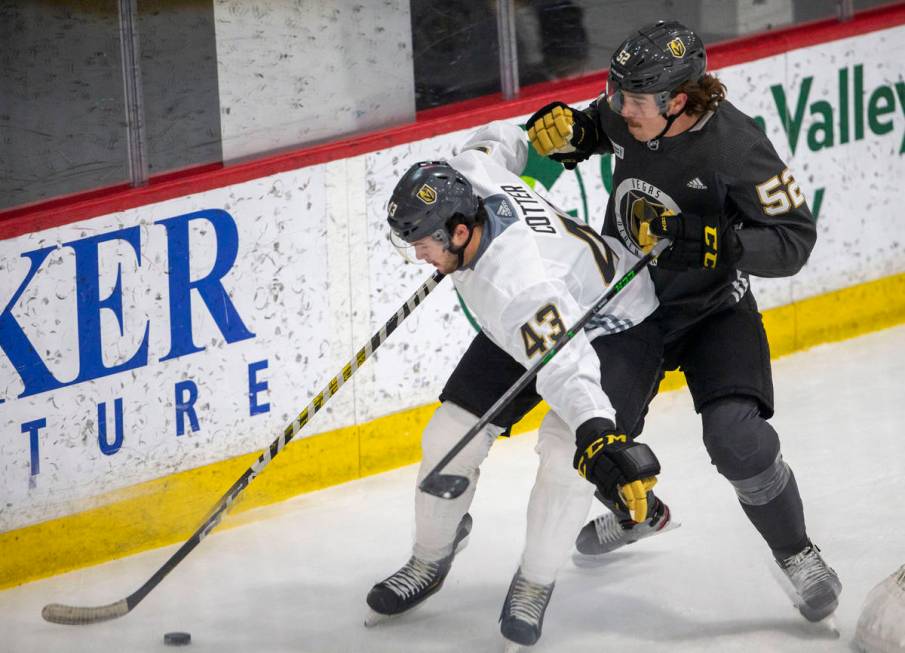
(841, 118)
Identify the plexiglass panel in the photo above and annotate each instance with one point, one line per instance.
(563, 38)
(179, 80)
(224, 80)
(456, 50)
(62, 115)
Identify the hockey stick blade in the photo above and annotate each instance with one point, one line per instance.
(68, 615)
(80, 616)
(445, 486)
(448, 486)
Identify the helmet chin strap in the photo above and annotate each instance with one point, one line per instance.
(669, 121)
(460, 251)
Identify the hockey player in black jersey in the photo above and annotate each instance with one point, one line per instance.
(692, 167)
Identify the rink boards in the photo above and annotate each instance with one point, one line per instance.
(150, 353)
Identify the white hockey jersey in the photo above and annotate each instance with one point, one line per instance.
(537, 271)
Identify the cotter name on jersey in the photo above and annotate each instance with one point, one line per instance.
(539, 223)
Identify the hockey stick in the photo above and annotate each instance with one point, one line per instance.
(67, 614)
(451, 486)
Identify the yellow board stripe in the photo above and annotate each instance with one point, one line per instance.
(167, 510)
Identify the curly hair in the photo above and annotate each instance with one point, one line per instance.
(704, 94)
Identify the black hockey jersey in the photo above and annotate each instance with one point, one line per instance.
(724, 166)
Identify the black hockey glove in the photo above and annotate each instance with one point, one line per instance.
(562, 133)
(697, 242)
(623, 470)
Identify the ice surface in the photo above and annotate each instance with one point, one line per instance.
(296, 578)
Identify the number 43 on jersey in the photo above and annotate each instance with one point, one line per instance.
(540, 333)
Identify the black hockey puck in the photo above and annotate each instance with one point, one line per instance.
(177, 639)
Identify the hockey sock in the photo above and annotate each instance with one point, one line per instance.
(781, 521)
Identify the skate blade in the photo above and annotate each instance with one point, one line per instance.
(827, 627)
(375, 618)
(512, 647)
(589, 561)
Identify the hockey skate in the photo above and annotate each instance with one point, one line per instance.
(812, 584)
(417, 580)
(522, 617)
(610, 531)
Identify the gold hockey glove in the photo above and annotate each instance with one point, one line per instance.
(562, 133)
(623, 470)
(634, 497)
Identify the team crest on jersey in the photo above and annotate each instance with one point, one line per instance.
(427, 194)
(637, 202)
(676, 47)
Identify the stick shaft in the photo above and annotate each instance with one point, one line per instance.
(57, 613)
(431, 479)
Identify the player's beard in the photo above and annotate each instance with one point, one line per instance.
(446, 263)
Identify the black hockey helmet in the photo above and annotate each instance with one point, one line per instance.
(426, 198)
(656, 60)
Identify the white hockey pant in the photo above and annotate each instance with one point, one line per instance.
(557, 509)
(436, 519)
(559, 504)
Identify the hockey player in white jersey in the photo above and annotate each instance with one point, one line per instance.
(526, 271)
